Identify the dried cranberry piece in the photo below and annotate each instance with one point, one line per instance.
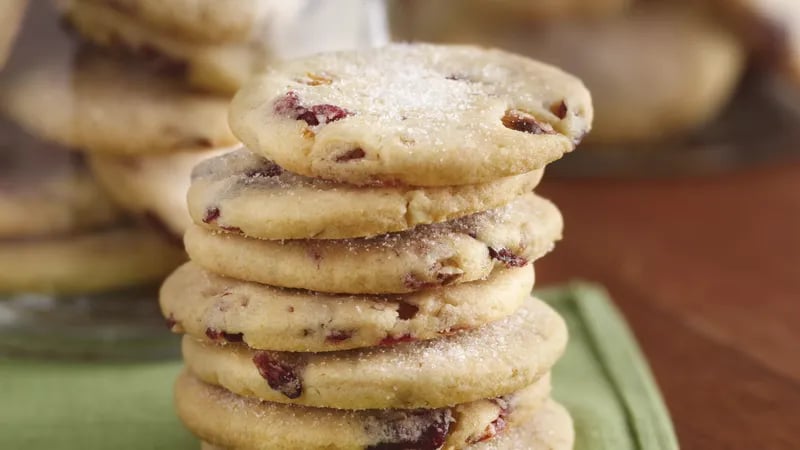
(406, 311)
(289, 106)
(216, 335)
(526, 123)
(171, 322)
(356, 153)
(211, 215)
(431, 437)
(388, 341)
(559, 109)
(508, 258)
(329, 113)
(279, 375)
(336, 336)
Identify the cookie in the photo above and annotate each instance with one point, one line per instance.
(770, 27)
(92, 262)
(11, 14)
(113, 106)
(491, 361)
(208, 21)
(221, 68)
(419, 115)
(245, 191)
(153, 187)
(264, 317)
(550, 428)
(658, 72)
(45, 191)
(230, 421)
(462, 250)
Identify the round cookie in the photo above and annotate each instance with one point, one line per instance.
(550, 428)
(657, 72)
(113, 106)
(11, 14)
(153, 187)
(203, 304)
(244, 191)
(421, 115)
(491, 361)
(230, 421)
(221, 68)
(462, 250)
(208, 21)
(46, 191)
(93, 262)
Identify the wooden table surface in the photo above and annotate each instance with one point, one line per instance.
(707, 271)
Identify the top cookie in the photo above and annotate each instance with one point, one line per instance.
(420, 115)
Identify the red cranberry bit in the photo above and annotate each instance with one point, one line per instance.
(329, 113)
(526, 123)
(406, 311)
(289, 106)
(388, 341)
(508, 258)
(171, 322)
(431, 437)
(356, 153)
(216, 335)
(336, 336)
(280, 376)
(211, 215)
(559, 109)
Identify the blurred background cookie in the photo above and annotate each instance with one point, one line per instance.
(11, 13)
(656, 71)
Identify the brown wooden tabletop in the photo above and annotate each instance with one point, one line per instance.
(707, 271)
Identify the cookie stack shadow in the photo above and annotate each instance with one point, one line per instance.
(320, 311)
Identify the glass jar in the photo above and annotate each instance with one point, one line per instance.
(673, 90)
(106, 107)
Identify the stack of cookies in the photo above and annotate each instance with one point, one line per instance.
(145, 95)
(360, 274)
(61, 233)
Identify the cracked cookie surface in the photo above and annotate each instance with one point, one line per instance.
(461, 250)
(112, 106)
(419, 115)
(244, 191)
(231, 421)
(206, 305)
(494, 360)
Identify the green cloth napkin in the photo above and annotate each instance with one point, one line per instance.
(603, 380)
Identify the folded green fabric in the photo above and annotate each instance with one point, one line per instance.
(603, 380)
